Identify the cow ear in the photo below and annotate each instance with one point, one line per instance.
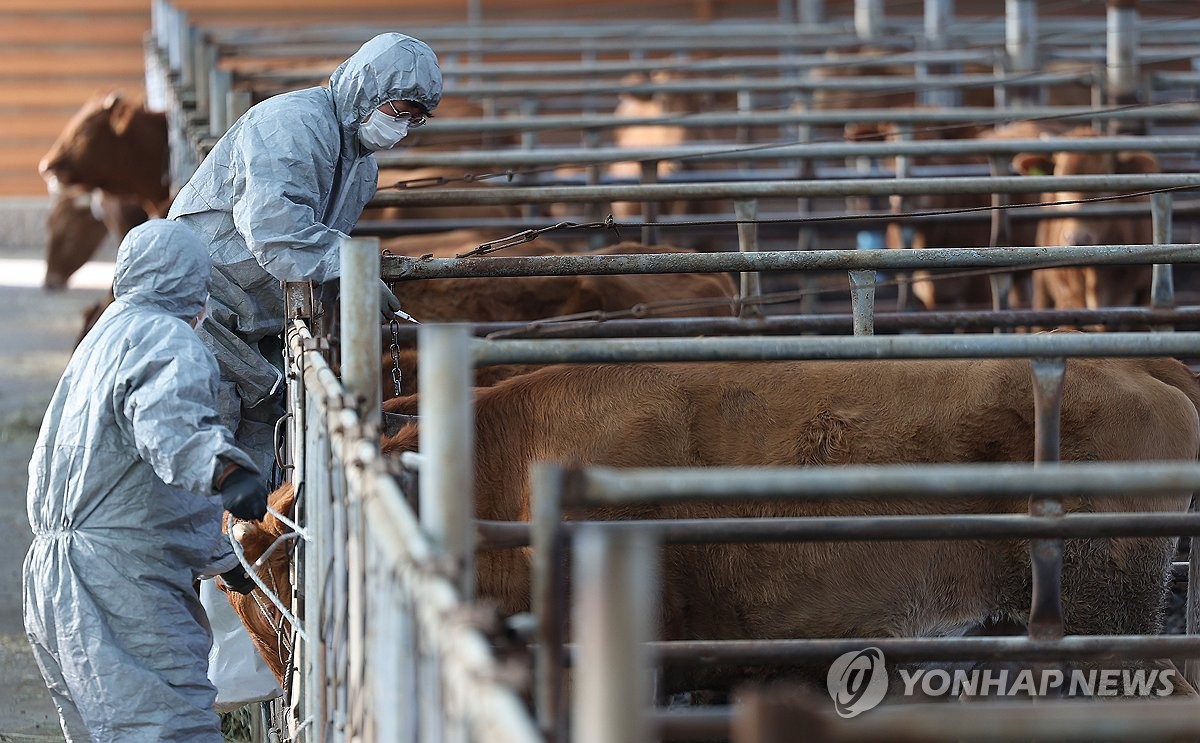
(112, 100)
(1138, 161)
(1033, 163)
(120, 117)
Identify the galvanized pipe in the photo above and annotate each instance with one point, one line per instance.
(361, 346)
(220, 86)
(862, 295)
(447, 441)
(831, 323)
(1122, 59)
(780, 189)
(783, 151)
(616, 584)
(548, 483)
(939, 15)
(832, 117)
(868, 19)
(948, 527)
(1046, 555)
(1021, 35)
(941, 482)
(1162, 287)
(396, 268)
(776, 653)
(746, 210)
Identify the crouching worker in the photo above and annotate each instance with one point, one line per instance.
(123, 502)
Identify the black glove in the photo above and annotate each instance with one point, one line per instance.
(244, 495)
(238, 580)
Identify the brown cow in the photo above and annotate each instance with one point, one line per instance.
(116, 145)
(75, 231)
(836, 413)
(935, 292)
(1091, 287)
(528, 298)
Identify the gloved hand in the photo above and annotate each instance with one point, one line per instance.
(238, 580)
(388, 304)
(244, 495)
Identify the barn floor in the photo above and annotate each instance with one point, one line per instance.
(35, 343)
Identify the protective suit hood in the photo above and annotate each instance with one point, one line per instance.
(164, 264)
(389, 67)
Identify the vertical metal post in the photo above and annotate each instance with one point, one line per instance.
(862, 296)
(204, 57)
(361, 349)
(361, 344)
(171, 29)
(1122, 43)
(746, 210)
(616, 584)
(649, 208)
(1021, 44)
(1191, 667)
(187, 59)
(447, 446)
(549, 482)
(812, 12)
(219, 86)
(1162, 288)
(939, 14)
(1045, 613)
(238, 103)
(868, 19)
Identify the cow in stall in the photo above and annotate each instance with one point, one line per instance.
(532, 298)
(1089, 287)
(114, 144)
(826, 413)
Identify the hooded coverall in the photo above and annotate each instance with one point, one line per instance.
(122, 507)
(274, 199)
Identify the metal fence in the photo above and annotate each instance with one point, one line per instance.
(386, 649)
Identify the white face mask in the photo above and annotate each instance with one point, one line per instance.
(382, 132)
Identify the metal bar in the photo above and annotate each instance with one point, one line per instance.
(791, 150)
(1122, 57)
(447, 440)
(487, 353)
(1046, 555)
(905, 649)
(933, 481)
(548, 482)
(1167, 112)
(615, 582)
(949, 527)
(832, 323)
(1191, 669)
(1162, 287)
(268, 80)
(746, 210)
(782, 189)
(862, 293)
(868, 19)
(361, 346)
(397, 268)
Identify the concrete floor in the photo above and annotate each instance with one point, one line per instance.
(35, 343)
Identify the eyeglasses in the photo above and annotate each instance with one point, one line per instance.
(414, 120)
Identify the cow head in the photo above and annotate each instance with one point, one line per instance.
(73, 235)
(263, 621)
(1079, 230)
(113, 144)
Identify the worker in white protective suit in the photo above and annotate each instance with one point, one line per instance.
(276, 196)
(126, 487)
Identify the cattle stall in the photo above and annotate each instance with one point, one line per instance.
(362, 560)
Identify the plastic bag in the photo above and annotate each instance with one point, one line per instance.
(234, 665)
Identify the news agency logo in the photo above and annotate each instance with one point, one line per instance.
(857, 681)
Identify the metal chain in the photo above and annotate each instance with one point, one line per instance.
(394, 348)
